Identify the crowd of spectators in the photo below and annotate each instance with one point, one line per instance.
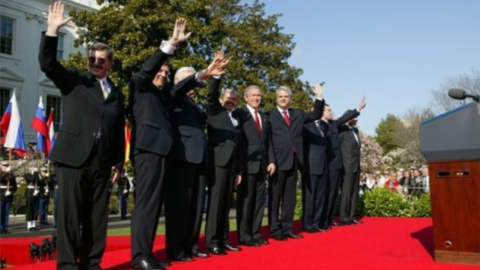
(409, 182)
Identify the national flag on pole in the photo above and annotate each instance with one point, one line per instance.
(11, 125)
(51, 129)
(39, 124)
(5, 122)
(127, 141)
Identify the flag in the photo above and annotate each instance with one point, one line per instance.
(5, 122)
(127, 141)
(39, 124)
(51, 129)
(12, 126)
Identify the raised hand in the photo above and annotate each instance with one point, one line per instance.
(362, 104)
(318, 90)
(55, 18)
(216, 67)
(179, 35)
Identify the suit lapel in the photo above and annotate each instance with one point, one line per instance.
(264, 125)
(279, 116)
(293, 116)
(250, 122)
(227, 118)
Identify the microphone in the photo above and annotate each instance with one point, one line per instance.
(461, 94)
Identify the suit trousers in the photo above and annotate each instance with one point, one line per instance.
(220, 189)
(149, 179)
(350, 194)
(283, 197)
(43, 209)
(185, 192)
(83, 199)
(250, 206)
(334, 181)
(314, 200)
(4, 214)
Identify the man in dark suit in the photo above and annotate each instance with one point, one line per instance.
(350, 147)
(186, 184)
(224, 168)
(90, 144)
(150, 96)
(258, 161)
(334, 156)
(287, 139)
(314, 181)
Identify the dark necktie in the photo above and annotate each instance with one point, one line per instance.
(287, 119)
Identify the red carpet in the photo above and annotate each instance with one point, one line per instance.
(380, 243)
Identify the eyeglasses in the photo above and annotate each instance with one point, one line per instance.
(93, 59)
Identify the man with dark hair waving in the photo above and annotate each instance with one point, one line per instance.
(224, 171)
(90, 145)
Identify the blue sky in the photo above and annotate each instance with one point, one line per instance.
(393, 51)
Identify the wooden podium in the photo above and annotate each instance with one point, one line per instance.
(451, 144)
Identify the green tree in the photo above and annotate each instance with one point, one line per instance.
(386, 133)
(252, 40)
(408, 135)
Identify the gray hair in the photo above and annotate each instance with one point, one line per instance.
(231, 91)
(180, 74)
(100, 46)
(284, 89)
(247, 90)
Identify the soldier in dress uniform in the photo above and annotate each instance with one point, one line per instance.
(54, 192)
(8, 186)
(123, 192)
(45, 190)
(33, 197)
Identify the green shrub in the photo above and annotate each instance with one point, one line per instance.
(299, 205)
(385, 203)
(113, 207)
(421, 206)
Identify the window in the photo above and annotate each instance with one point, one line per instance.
(5, 95)
(60, 47)
(6, 35)
(54, 102)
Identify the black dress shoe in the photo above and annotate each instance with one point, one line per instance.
(344, 223)
(262, 241)
(356, 221)
(333, 223)
(311, 230)
(249, 243)
(200, 254)
(158, 262)
(146, 264)
(292, 235)
(321, 230)
(181, 258)
(217, 251)
(325, 227)
(231, 248)
(279, 237)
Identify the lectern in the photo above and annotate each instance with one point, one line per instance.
(451, 144)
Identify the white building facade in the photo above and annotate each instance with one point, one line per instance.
(22, 22)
